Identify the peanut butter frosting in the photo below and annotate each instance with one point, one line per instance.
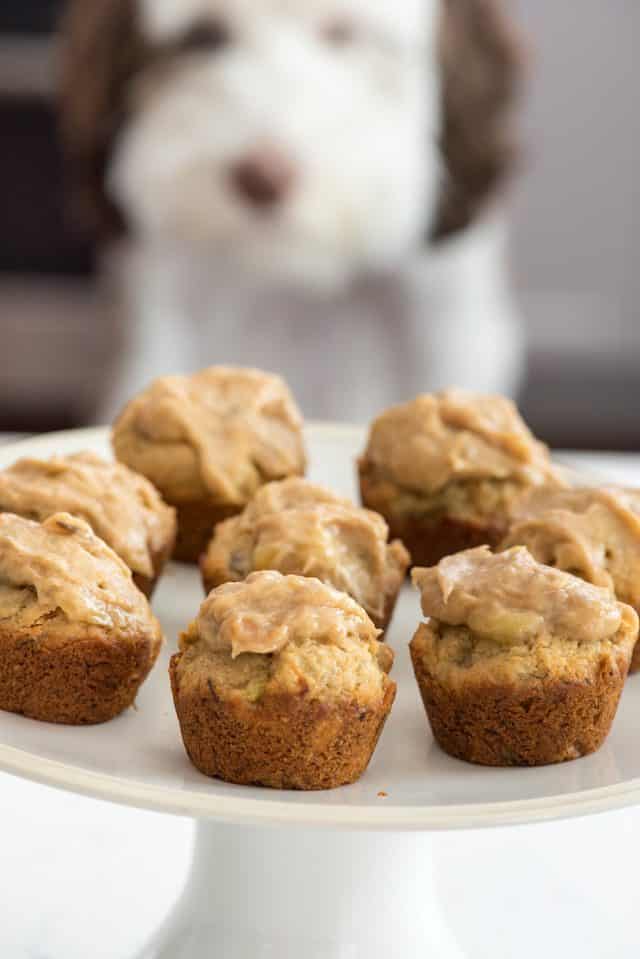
(219, 433)
(591, 532)
(269, 611)
(295, 526)
(455, 435)
(122, 507)
(508, 598)
(60, 565)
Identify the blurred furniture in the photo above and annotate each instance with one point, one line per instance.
(55, 346)
(576, 220)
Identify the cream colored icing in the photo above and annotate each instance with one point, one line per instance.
(455, 435)
(122, 507)
(267, 611)
(508, 597)
(592, 532)
(297, 527)
(243, 425)
(61, 564)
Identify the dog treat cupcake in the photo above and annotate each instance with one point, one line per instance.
(208, 441)
(281, 681)
(446, 469)
(295, 526)
(122, 508)
(518, 663)
(592, 533)
(77, 637)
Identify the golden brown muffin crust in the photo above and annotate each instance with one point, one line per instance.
(518, 663)
(497, 723)
(75, 675)
(77, 638)
(281, 681)
(288, 743)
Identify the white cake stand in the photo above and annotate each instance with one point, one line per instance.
(344, 874)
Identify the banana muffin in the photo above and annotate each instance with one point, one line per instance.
(121, 507)
(593, 533)
(208, 442)
(281, 681)
(294, 526)
(77, 637)
(518, 663)
(446, 470)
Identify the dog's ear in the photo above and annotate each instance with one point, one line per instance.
(101, 50)
(481, 65)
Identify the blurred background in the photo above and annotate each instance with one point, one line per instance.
(575, 217)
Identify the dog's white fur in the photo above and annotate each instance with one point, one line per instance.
(335, 287)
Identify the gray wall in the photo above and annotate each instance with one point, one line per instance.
(576, 209)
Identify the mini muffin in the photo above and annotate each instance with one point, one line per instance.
(77, 637)
(121, 507)
(295, 526)
(446, 470)
(518, 664)
(208, 442)
(281, 681)
(592, 533)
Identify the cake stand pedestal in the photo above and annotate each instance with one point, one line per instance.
(269, 893)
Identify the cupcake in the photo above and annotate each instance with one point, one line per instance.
(77, 637)
(281, 681)
(592, 533)
(122, 508)
(446, 470)
(518, 664)
(208, 442)
(294, 526)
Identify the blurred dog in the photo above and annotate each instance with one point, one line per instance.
(302, 185)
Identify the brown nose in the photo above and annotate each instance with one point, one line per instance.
(263, 178)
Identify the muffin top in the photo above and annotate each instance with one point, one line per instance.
(591, 532)
(122, 507)
(60, 568)
(218, 434)
(455, 435)
(295, 526)
(510, 598)
(307, 636)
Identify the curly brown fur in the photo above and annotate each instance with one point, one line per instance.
(500, 725)
(283, 742)
(77, 679)
(102, 51)
(482, 66)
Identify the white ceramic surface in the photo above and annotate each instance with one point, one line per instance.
(138, 758)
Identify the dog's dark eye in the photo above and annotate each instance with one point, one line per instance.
(206, 36)
(340, 32)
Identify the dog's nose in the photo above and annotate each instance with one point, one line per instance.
(263, 178)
